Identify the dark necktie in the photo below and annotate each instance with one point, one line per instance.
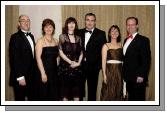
(29, 34)
(88, 31)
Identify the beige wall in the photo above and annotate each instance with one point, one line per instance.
(38, 13)
(112, 14)
(106, 16)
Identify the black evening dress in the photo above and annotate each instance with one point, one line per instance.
(49, 91)
(70, 78)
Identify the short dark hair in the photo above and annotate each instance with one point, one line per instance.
(132, 18)
(69, 20)
(46, 22)
(119, 36)
(90, 14)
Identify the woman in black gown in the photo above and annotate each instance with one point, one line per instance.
(46, 55)
(70, 51)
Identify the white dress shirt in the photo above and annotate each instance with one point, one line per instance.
(32, 48)
(87, 37)
(127, 43)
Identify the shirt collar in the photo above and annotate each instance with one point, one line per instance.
(25, 31)
(134, 34)
(91, 29)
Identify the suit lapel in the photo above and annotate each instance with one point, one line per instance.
(132, 44)
(91, 37)
(32, 37)
(124, 41)
(26, 40)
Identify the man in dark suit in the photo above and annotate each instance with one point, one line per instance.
(92, 42)
(137, 56)
(22, 60)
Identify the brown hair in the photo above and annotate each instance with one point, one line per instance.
(132, 18)
(109, 36)
(90, 14)
(47, 22)
(69, 20)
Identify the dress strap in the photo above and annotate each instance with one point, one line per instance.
(107, 46)
(44, 42)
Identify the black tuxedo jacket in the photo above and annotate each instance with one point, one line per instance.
(137, 59)
(92, 53)
(22, 62)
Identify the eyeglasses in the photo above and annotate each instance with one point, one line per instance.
(24, 21)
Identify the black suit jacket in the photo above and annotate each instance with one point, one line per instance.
(137, 59)
(22, 62)
(93, 48)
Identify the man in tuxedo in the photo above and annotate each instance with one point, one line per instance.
(92, 42)
(137, 56)
(22, 60)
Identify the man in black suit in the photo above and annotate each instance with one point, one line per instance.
(22, 60)
(137, 56)
(92, 42)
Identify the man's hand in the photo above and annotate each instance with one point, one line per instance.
(22, 82)
(139, 79)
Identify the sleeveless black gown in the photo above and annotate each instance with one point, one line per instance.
(49, 91)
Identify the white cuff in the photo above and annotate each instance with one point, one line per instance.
(20, 78)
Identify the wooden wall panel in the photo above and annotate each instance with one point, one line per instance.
(11, 19)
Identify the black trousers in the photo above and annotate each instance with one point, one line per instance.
(136, 91)
(22, 92)
(91, 75)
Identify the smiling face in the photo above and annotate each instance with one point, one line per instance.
(114, 33)
(90, 22)
(48, 29)
(131, 26)
(71, 26)
(24, 23)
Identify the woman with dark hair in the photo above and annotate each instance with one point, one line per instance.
(46, 55)
(112, 55)
(70, 51)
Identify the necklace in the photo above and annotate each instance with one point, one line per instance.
(49, 41)
(70, 34)
(71, 38)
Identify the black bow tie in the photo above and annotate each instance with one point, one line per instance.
(28, 34)
(88, 31)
